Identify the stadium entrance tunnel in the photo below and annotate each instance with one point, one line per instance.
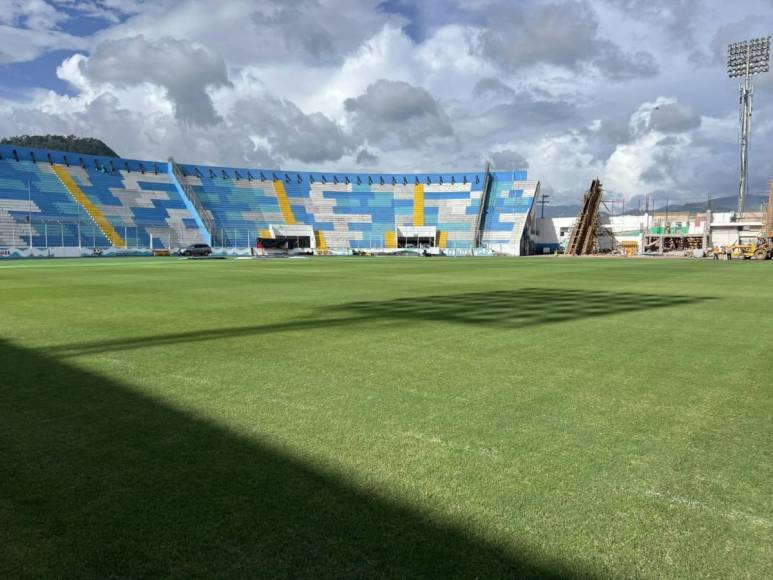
(284, 243)
(98, 480)
(415, 242)
(514, 309)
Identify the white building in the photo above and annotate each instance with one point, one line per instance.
(654, 233)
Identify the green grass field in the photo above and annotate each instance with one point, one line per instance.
(360, 418)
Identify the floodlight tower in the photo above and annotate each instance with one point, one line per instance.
(744, 60)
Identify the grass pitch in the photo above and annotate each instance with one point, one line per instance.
(386, 418)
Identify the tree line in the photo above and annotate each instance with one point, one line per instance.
(69, 143)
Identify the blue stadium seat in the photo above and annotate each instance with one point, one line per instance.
(141, 202)
(31, 192)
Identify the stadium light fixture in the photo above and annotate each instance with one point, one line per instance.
(745, 60)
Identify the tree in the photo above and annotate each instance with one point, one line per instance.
(69, 143)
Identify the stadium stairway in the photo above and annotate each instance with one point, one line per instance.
(320, 240)
(284, 202)
(191, 201)
(480, 222)
(418, 205)
(390, 239)
(92, 210)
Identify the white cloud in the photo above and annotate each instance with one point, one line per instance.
(260, 82)
(397, 114)
(504, 159)
(261, 31)
(184, 69)
(569, 163)
(31, 14)
(673, 152)
(564, 33)
(20, 45)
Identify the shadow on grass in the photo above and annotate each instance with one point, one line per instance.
(509, 309)
(516, 309)
(98, 481)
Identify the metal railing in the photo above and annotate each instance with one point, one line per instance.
(476, 243)
(483, 208)
(193, 198)
(66, 232)
(50, 233)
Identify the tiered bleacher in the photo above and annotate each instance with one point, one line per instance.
(241, 206)
(509, 204)
(124, 204)
(37, 210)
(347, 211)
(144, 208)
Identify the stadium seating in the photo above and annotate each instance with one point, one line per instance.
(137, 205)
(511, 199)
(347, 211)
(128, 203)
(32, 199)
(240, 208)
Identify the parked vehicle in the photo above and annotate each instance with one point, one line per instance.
(197, 250)
(759, 250)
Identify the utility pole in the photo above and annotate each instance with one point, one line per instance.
(614, 202)
(707, 224)
(543, 202)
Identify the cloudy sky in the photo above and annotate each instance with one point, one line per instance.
(632, 91)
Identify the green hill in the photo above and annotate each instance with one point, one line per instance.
(69, 143)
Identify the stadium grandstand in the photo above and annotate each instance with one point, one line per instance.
(56, 203)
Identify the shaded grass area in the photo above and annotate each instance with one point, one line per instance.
(98, 480)
(386, 418)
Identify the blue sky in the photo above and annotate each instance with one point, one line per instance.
(631, 91)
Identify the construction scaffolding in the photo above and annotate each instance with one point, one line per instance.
(583, 239)
(663, 244)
